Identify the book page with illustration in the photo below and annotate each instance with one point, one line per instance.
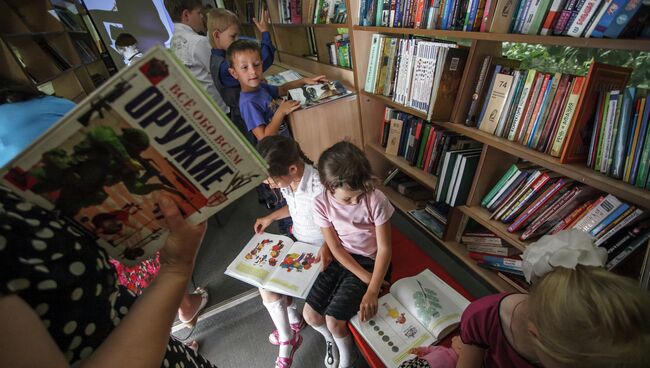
(149, 130)
(278, 264)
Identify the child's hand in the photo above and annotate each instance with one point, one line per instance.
(262, 24)
(261, 224)
(421, 351)
(287, 107)
(325, 256)
(368, 307)
(315, 80)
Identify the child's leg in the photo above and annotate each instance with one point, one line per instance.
(276, 305)
(295, 318)
(317, 321)
(343, 339)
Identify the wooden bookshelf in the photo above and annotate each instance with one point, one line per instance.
(594, 43)
(498, 153)
(421, 176)
(39, 49)
(578, 172)
(482, 216)
(305, 25)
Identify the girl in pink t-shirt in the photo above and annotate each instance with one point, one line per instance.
(354, 219)
(577, 314)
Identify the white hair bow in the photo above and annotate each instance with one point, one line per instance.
(566, 249)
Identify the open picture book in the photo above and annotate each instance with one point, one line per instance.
(149, 130)
(278, 264)
(418, 311)
(315, 94)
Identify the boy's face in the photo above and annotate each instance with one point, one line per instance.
(194, 19)
(247, 69)
(223, 39)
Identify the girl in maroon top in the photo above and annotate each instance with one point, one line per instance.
(576, 315)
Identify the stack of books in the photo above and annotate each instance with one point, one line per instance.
(417, 73)
(536, 202)
(576, 18)
(329, 11)
(457, 174)
(404, 185)
(339, 51)
(419, 142)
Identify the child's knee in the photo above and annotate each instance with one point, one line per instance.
(337, 327)
(312, 317)
(269, 296)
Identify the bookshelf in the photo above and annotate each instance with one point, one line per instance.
(497, 154)
(46, 44)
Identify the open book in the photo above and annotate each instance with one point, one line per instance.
(150, 129)
(283, 77)
(418, 311)
(315, 94)
(277, 263)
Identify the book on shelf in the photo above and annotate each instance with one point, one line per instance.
(449, 183)
(498, 268)
(439, 210)
(278, 264)
(492, 249)
(484, 237)
(644, 278)
(428, 221)
(418, 311)
(514, 262)
(311, 95)
(283, 77)
(634, 239)
(57, 57)
(71, 21)
(149, 130)
(517, 282)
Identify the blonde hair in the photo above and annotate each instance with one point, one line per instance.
(220, 20)
(589, 317)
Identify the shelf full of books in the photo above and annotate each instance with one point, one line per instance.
(313, 12)
(586, 18)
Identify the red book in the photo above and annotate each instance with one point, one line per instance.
(544, 199)
(538, 105)
(599, 77)
(296, 11)
(561, 208)
(428, 148)
(573, 216)
(554, 113)
(477, 256)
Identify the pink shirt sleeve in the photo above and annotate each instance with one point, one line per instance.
(321, 217)
(380, 207)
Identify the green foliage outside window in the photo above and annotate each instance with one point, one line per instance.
(576, 60)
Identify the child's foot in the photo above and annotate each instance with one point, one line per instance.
(274, 337)
(293, 345)
(331, 355)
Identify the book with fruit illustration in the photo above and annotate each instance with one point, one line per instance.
(418, 311)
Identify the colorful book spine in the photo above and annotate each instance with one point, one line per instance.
(619, 211)
(608, 18)
(567, 117)
(495, 189)
(585, 13)
(641, 142)
(554, 189)
(552, 16)
(623, 17)
(492, 249)
(622, 133)
(564, 17)
(598, 213)
(623, 223)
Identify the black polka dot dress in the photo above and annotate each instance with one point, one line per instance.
(66, 278)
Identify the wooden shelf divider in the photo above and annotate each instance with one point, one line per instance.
(388, 101)
(482, 216)
(601, 43)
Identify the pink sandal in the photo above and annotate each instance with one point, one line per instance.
(274, 337)
(282, 362)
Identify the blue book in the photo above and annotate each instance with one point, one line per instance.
(521, 15)
(509, 270)
(623, 17)
(486, 100)
(397, 22)
(363, 12)
(620, 143)
(540, 113)
(469, 27)
(641, 138)
(610, 218)
(380, 11)
(446, 14)
(519, 8)
(608, 17)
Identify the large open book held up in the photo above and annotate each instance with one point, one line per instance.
(418, 311)
(278, 264)
(151, 129)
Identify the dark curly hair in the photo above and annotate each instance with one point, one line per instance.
(280, 152)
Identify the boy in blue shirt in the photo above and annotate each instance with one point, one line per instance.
(260, 109)
(223, 29)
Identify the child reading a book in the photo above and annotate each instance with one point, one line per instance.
(576, 315)
(292, 172)
(223, 29)
(354, 218)
(258, 104)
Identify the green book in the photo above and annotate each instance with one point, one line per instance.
(540, 15)
(495, 189)
(599, 149)
(644, 164)
(445, 176)
(609, 154)
(423, 144)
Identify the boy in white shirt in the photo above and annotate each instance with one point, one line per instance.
(192, 48)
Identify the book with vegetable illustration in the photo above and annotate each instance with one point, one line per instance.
(277, 263)
(419, 310)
